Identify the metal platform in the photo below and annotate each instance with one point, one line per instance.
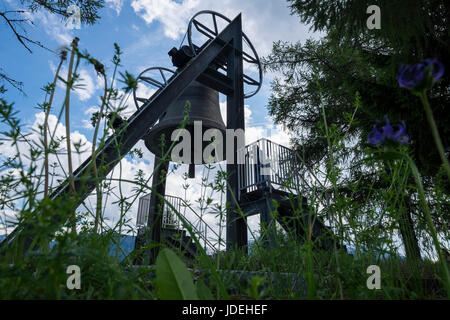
(266, 164)
(269, 185)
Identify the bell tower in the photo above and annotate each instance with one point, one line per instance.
(226, 75)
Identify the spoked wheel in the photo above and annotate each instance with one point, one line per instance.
(149, 81)
(209, 24)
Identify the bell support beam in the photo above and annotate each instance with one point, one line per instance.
(155, 212)
(217, 81)
(236, 225)
(118, 145)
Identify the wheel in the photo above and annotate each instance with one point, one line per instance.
(150, 81)
(250, 56)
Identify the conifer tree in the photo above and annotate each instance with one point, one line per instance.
(352, 63)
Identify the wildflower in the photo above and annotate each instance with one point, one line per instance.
(418, 79)
(420, 76)
(396, 133)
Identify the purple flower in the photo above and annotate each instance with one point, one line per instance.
(396, 133)
(420, 76)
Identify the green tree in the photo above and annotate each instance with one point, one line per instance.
(352, 72)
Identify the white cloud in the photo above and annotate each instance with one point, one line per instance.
(263, 22)
(91, 110)
(255, 131)
(53, 26)
(86, 124)
(144, 92)
(247, 113)
(171, 14)
(87, 86)
(275, 134)
(223, 112)
(115, 4)
(7, 217)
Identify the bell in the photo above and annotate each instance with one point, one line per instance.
(204, 107)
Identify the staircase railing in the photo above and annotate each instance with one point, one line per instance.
(171, 219)
(267, 164)
(204, 231)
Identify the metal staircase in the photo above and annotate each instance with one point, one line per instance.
(177, 231)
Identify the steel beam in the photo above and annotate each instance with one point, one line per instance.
(217, 81)
(155, 211)
(236, 224)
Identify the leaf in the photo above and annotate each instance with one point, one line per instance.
(173, 279)
(255, 283)
(203, 291)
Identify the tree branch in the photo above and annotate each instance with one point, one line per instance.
(12, 23)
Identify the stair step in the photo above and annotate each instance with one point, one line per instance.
(176, 238)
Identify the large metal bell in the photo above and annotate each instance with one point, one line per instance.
(204, 107)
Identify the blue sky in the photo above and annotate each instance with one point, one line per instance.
(145, 30)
